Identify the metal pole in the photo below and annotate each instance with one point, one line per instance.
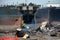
(48, 14)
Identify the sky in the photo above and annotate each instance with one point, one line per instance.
(42, 2)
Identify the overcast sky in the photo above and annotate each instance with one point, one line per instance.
(4, 2)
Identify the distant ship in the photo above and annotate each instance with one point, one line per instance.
(8, 14)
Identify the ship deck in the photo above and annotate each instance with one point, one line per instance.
(33, 36)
